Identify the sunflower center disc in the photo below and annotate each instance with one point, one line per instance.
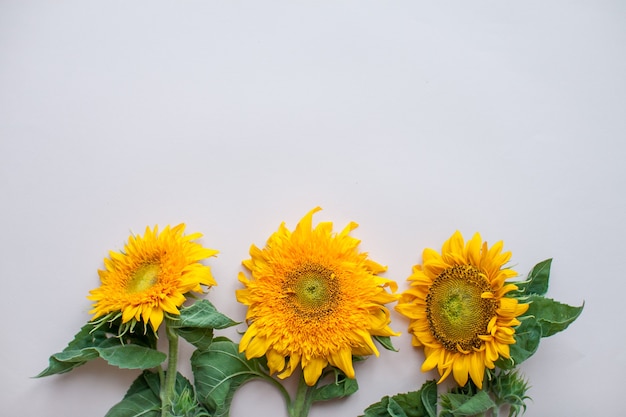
(456, 312)
(144, 277)
(312, 290)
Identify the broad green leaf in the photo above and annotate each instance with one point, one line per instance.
(467, 405)
(199, 337)
(219, 371)
(538, 279)
(342, 386)
(142, 398)
(385, 341)
(73, 356)
(421, 403)
(394, 409)
(196, 323)
(386, 407)
(202, 314)
(144, 403)
(428, 392)
(91, 343)
(141, 383)
(527, 337)
(131, 356)
(553, 316)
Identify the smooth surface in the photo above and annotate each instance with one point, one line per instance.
(413, 119)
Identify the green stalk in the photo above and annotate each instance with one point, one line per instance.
(169, 387)
(301, 405)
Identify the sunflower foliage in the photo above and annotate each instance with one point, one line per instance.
(505, 388)
(545, 316)
(137, 349)
(147, 289)
(297, 321)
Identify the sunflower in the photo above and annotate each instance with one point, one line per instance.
(313, 299)
(458, 308)
(151, 276)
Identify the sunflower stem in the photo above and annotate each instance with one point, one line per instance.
(169, 387)
(301, 404)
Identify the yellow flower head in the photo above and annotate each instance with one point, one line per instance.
(458, 310)
(151, 276)
(313, 299)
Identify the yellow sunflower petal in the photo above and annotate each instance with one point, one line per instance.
(294, 361)
(343, 360)
(477, 369)
(459, 336)
(460, 369)
(156, 318)
(313, 370)
(151, 275)
(275, 361)
(314, 298)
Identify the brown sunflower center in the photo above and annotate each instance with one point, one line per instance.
(143, 278)
(312, 290)
(456, 312)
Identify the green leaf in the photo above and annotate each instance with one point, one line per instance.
(202, 314)
(146, 380)
(428, 393)
(200, 338)
(553, 316)
(538, 279)
(527, 337)
(385, 341)
(386, 407)
(142, 398)
(394, 409)
(91, 343)
(219, 371)
(420, 403)
(73, 355)
(196, 323)
(342, 386)
(467, 405)
(131, 356)
(144, 403)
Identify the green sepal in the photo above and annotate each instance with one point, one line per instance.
(385, 341)
(219, 371)
(342, 386)
(527, 337)
(509, 388)
(457, 404)
(130, 351)
(420, 403)
(552, 315)
(537, 281)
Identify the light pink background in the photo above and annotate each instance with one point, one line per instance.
(412, 118)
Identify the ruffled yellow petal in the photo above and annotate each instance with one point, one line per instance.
(313, 299)
(313, 370)
(151, 276)
(343, 360)
(275, 361)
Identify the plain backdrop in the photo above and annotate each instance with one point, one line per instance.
(413, 119)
